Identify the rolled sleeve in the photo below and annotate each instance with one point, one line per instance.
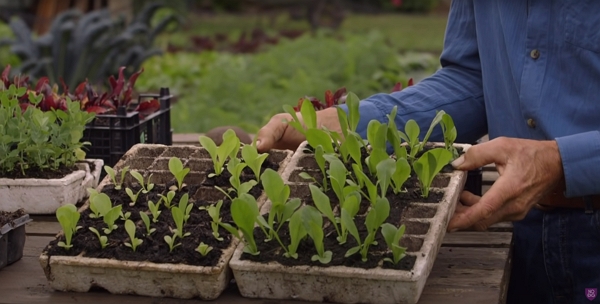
(580, 154)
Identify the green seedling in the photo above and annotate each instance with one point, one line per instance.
(253, 159)
(124, 216)
(297, 233)
(168, 199)
(309, 117)
(235, 167)
(133, 241)
(449, 132)
(146, 221)
(214, 211)
(203, 249)
(429, 165)
(68, 217)
(100, 204)
(178, 217)
(154, 210)
(281, 208)
(103, 239)
(401, 174)
(392, 236)
(145, 186)
(393, 136)
(323, 204)
(177, 169)
(112, 174)
(376, 216)
(313, 224)
(244, 211)
(133, 196)
(110, 218)
(385, 172)
(365, 182)
(171, 241)
(228, 148)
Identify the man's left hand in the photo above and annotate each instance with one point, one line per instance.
(529, 170)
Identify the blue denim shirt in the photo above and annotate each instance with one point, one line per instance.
(526, 69)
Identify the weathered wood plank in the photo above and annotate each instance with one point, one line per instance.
(477, 239)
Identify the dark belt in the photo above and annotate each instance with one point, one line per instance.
(558, 200)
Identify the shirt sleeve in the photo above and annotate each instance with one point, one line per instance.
(580, 154)
(455, 88)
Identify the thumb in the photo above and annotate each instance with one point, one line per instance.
(269, 135)
(479, 155)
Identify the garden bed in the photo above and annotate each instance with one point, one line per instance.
(154, 269)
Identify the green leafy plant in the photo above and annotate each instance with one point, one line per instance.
(133, 196)
(323, 204)
(429, 165)
(110, 218)
(214, 211)
(68, 217)
(313, 224)
(146, 219)
(297, 233)
(125, 216)
(219, 155)
(203, 249)
(281, 208)
(154, 210)
(103, 239)
(235, 167)
(133, 241)
(100, 205)
(411, 135)
(145, 187)
(177, 169)
(113, 176)
(253, 159)
(168, 199)
(88, 46)
(171, 241)
(449, 133)
(178, 218)
(376, 216)
(185, 206)
(392, 236)
(400, 175)
(244, 211)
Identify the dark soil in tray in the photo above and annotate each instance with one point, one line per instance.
(7, 217)
(154, 248)
(61, 172)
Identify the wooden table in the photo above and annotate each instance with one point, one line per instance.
(471, 267)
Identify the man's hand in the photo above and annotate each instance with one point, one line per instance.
(529, 170)
(277, 134)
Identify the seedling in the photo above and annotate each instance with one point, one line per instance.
(185, 206)
(378, 213)
(393, 136)
(400, 175)
(168, 199)
(429, 165)
(103, 239)
(376, 135)
(297, 233)
(133, 241)
(228, 148)
(337, 177)
(449, 133)
(110, 218)
(124, 216)
(309, 117)
(146, 221)
(323, 204)
(365, 182)
(214, 211)
(392, 236)
(145, 187)
(235, 167)
(313, 224)
(68, 217)
(171, 241)
(204, 249)
(253, 159)
(112, 174)
(154, 210)
(178, 218)
(177, 169)
(278, 193)
(100, 204)
(244, 212)
(133, 196)
(412, 135)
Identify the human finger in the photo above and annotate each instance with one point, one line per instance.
(493, 151)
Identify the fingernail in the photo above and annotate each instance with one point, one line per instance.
(258, 143)
(459, 161)
(453, 230)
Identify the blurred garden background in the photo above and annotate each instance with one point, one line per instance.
(228, 62)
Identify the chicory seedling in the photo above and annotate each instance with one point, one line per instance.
(133, 241)
(297, 233)
(100, 204)
(429, 165)
(253, 159)
(392, 236)
(112, 173)
(133, 196)
(171, 241)
(228, 148)
(101, 238)
(401, 174)
(323, 204)
(235, 167)
(146, 221)
(365, 182)
(124, 216)
(376, 216)
(67, 216)
(154, 210)
(278, 193)
(178, 218)
(244, 211)
(385, 171)
(214, 211)
(393, 136)
(203, 249)
(177, 169)
(145, 186)
(309, 117)
(449, 133)
(185, 206)
(168, 199)
(110, 218)
(313, 224)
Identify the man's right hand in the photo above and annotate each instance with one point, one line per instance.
(278, 134)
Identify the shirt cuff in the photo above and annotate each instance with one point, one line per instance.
(580, 154)
(368, 111)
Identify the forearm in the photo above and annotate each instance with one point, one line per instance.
(580, 155)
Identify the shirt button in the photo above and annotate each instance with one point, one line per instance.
(531, 123)
(535, 54)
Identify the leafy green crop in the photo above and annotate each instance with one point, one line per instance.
(67, 216)
(203, 249)
(429, 165)
(244, 212)
(281, 208)
(113, 176)
(392, 236)
(313, 224)
(228, 148)
(253, 159)
(177, 169)
(103, 239)
(133, 241)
